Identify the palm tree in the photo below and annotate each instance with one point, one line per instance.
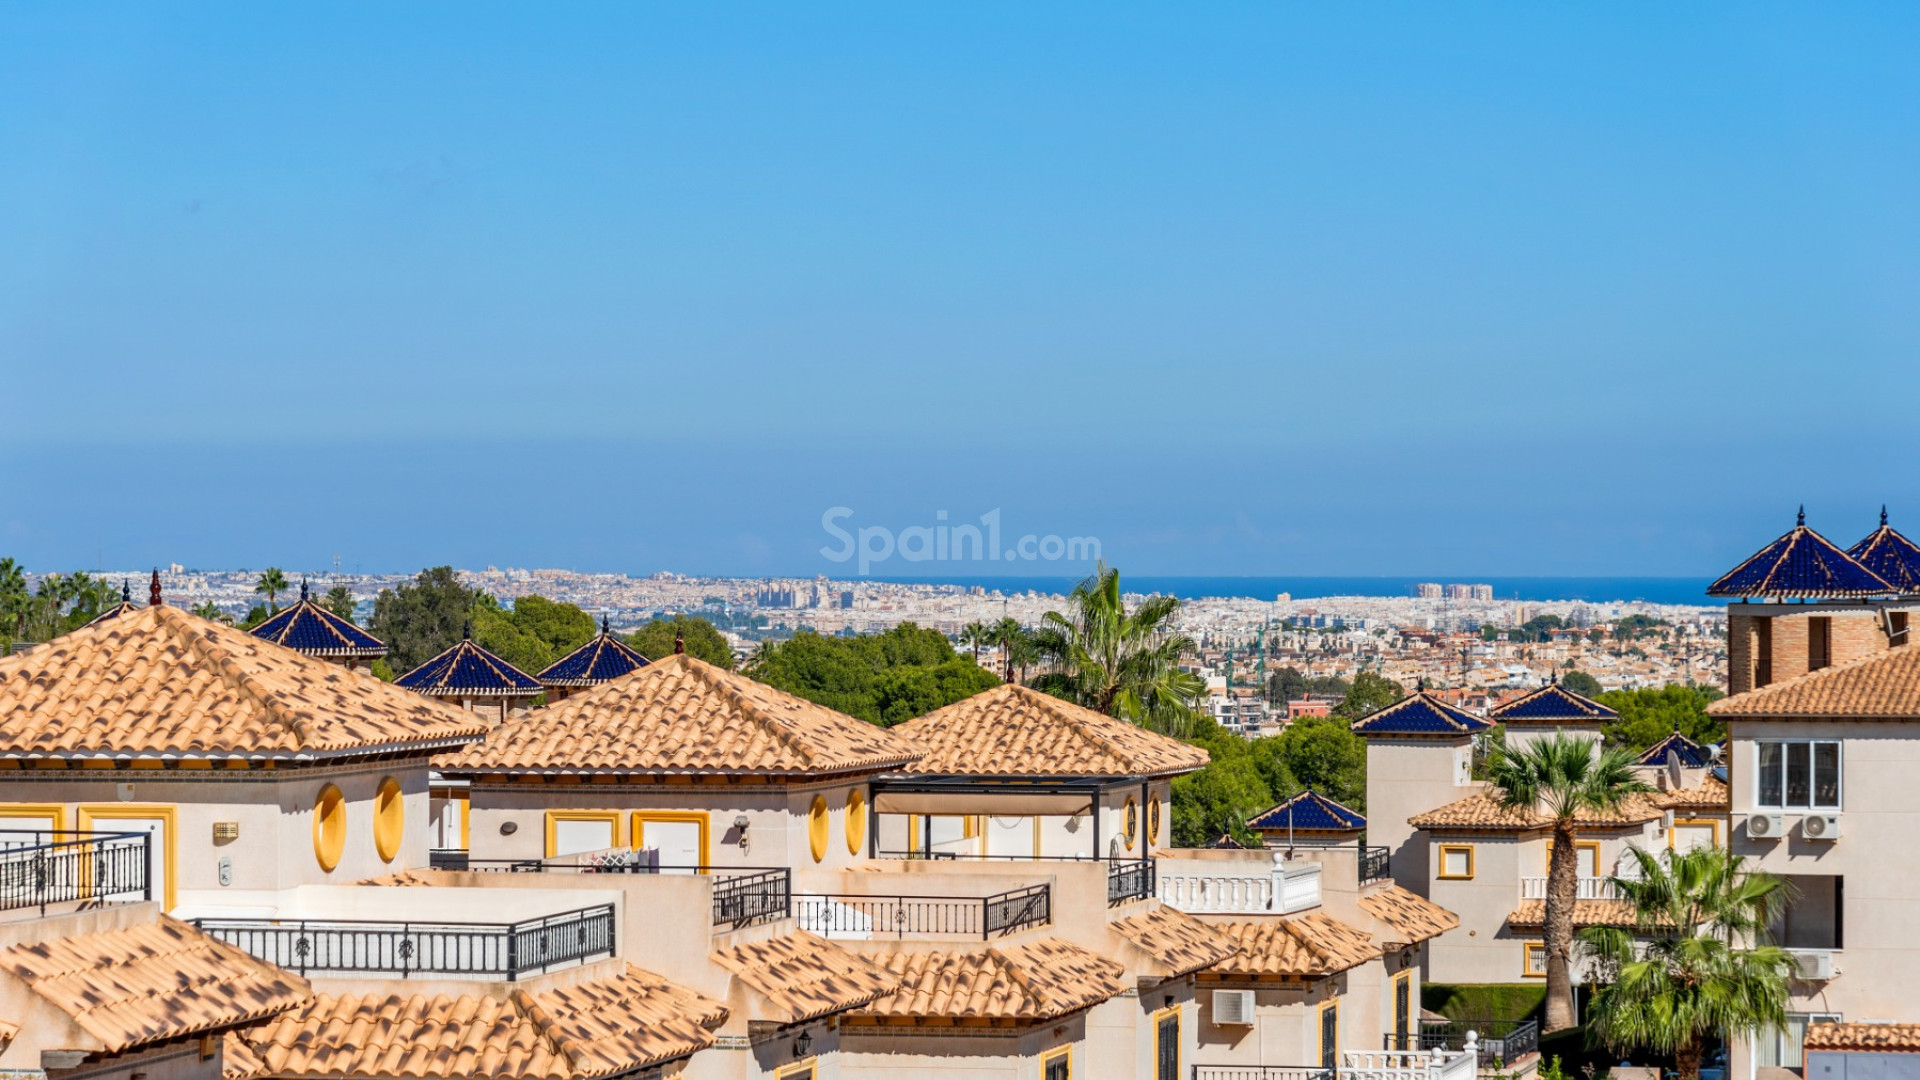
(976, 634)
(273, 583)
(15, 601)
(1562, 776)
(1678, 976)
(1119, 662)
(1009, 635)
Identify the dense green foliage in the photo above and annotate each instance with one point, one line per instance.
(1581, 683)
(1122, 663)
(1484, 1001)
(271, 584)
(1369, 693)
(62, 602)
(1649, 715)
(1248, 775)
(1291, 684)
(881, 678)
(421, 620)
(655, 640)
(1682, 979)
(533, 633)
(339, 600)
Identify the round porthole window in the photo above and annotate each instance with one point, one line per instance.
(856, 820)
(389, 819)
(817, 827)
(1132, 821)
(1153, 822)
(329, 827)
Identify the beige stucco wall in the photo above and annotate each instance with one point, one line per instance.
(1407, 777)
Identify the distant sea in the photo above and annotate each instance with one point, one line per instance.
(1655, 590)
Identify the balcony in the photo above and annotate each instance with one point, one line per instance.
(1374, 864)
(1358, 1065)
(41, 868)
(742, 895)
(1498, 1043)
(1259, 885)
(506, 951)
(1129, 879)
(1586, 888)
(849, 916)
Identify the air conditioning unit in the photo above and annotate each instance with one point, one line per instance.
(1820, 826)
(1812, 965)
(1233, 1008)
(1766, 826)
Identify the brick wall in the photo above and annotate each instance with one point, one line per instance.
(1740, 644)
(1857, 636)
(1851, 635)
(1789, 646)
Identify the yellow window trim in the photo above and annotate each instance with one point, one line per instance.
(1320, 1026)
(1682, 823)
(1578, 845)
(819, 824)
(1052, 1056)
(1526, 961)
(803, 1071)
(1153, 821)
(1174, 1012)
(555, 817)
(1442, 869)
(857, 823)
(54, 812)
(1130, 821)
(638, 833)
(169, 856)
(328, 849)
(466, 819)
(389, 818)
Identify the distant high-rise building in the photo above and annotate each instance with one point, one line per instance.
(1428, 590)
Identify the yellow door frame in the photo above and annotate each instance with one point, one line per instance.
(1174, 1012)
(638, 833)
(806, 1070)
(169, 855)
(555, 817)
(1320, 1027)
(54, 812)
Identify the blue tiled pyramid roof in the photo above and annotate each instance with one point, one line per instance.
(1801, 563)
(309, 628)
(469, 669)
(1692, 754)
(1553, 704)
(1420, 714)
(605, 657)
(1310, 812)
(1892, 556)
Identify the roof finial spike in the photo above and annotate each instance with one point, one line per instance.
(603, 624)
(303, 589)
(126, 592)
(153, 589)
(1883, 515)
(1801, 521)
(467, 633)
(679, 643)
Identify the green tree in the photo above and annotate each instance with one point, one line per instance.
(976, 635)
(15, 601)
(256, 615)
(339, 600)
(421, 620)
(533, 633)
(207, 609)
(1222, 796)
(882, 678)
(1696, 965)
(1122, 663)
(272, 583)
(655, 640)
(1369, 694)
(1562, 776)
(1581, 683)
(1649, 715)
(1015, 644)
(1324, 754)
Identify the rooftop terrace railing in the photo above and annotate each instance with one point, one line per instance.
(1261, 1072)
(1585, 888)
(983, 917)
(44, 867)
(742, 895)
(1374, 863)
(1129, 880)
(488, 950)
(1498, 1042)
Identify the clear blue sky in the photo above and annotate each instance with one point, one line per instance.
(1249, 289)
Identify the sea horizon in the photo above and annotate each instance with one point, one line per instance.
(1593, 589)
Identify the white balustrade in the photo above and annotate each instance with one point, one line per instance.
(1409, 1064)
(1586, 888)
(1238, 886)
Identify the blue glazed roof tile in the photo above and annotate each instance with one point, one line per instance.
(1309, 811)
(309, 628)
(1553, 704)
(469, 669)
(1801, 563)
(1889, 554)
(605, 657)
(1692, 755)
(1420, 714)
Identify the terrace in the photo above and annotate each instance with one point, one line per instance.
(1359, 1065)
(850, 916)
(41, 868)
(742, 895)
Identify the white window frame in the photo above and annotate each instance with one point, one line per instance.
(1839, 780)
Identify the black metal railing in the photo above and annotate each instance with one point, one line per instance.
(42, 867)
(984, 917)
(1129, 880)
(495, 950)
(1373, 863)
(975, 856)
(1262, 1073)
(447, 859)
(1502, 1042)
(742, 895)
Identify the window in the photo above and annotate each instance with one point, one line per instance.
(1819, 634)
(1330, 1034)
(1456, 862)
(1166, 1045)
(159, 823)
(1057, 1064)
(389, 819)
(1587, 863)
(1693, 834)
(1782, 1050)
(329, 827)
(575, 832)
(1153, 821)
(1403, 1011)
(1763, 653)
(1131, 822)
(1803, 775)
(1534, 965)
(1897, 628)
(803, 1071)
(817, 827)
(856, 820)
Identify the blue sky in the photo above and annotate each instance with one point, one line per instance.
(1255, 289)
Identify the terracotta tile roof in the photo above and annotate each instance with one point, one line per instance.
(681, 715)
(1179, 943)
(1885, 685)
(1887, 1038)
(151, 982)
(600, 1028)
(237, 1059)
(1414, 918)
(804, 976)
(1012, 730)
(1306, 946)
(1712, 794)
(1482, 810)
(1533, 913)
(161, 680)
(1040, 980)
